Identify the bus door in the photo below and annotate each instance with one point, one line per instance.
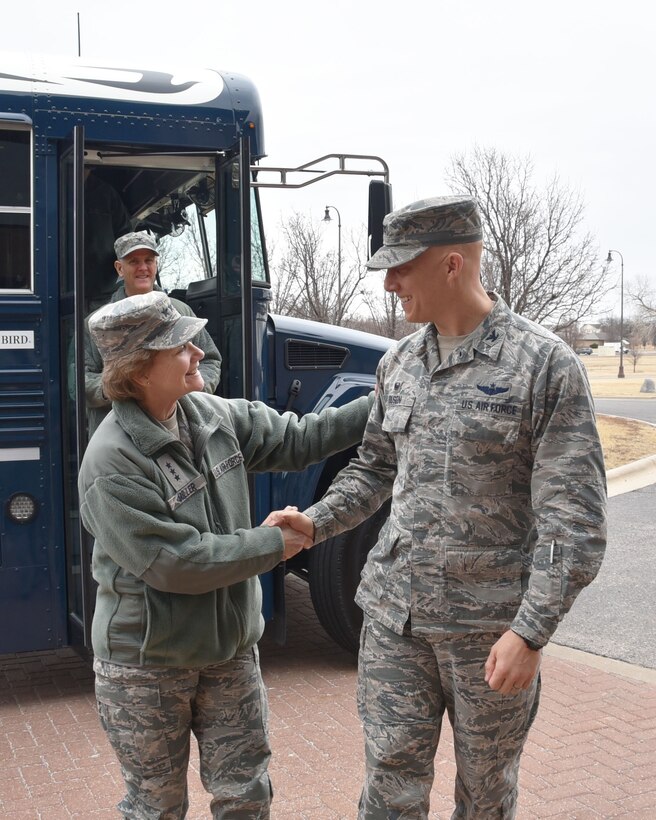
(80, 585)
(235, 291)
(198, 206)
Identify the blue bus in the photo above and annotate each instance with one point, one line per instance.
(88, 150)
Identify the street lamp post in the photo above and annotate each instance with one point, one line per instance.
(327, 218)
(620, 372)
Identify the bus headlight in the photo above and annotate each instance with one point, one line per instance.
(22, 508)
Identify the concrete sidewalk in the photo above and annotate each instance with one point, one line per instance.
(591, 753)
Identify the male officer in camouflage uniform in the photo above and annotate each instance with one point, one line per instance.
(136, 266)
(483, 433)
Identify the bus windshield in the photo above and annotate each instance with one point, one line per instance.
(181, 253)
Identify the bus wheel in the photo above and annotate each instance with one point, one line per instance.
(334, 574)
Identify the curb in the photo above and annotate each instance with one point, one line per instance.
(632, 476)
(614, 667)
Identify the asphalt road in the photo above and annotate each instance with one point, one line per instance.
(616, 615)
(643, 409)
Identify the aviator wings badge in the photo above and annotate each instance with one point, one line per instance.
(492, 389)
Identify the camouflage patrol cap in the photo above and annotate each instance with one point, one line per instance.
(408, 232)
(132, 242)
(144, 322)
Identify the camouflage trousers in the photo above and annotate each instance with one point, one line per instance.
(149, 715)
(405, 684)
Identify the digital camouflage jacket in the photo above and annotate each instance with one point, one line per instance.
(496, 473)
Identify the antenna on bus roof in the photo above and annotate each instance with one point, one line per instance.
(79, 42)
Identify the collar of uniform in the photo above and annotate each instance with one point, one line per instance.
(488, 338)
(149, 437)
(120, 293)
(425, 343)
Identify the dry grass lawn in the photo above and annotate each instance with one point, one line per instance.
(623, 440)
(602, 372)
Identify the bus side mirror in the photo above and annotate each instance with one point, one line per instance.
(380, 204)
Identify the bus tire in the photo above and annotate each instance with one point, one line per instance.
(334, 568)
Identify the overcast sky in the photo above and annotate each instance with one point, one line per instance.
(569, 83)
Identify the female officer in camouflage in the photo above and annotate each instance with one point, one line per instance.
(163, 490)
(483, 433)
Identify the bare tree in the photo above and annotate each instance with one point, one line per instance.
(611, 326)
(387, 318)
(569, 332)
(169, 263)
(641, 292)
(642, 329)
(535, 253)
(285, 294)
(634, 353)
(181, 258)
(310, 283)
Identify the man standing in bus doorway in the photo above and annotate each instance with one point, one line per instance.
(483, 434)
(136, 266)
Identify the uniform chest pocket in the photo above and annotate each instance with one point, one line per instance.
(481, 451)
(397, 416)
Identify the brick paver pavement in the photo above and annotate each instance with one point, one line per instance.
(590, 754)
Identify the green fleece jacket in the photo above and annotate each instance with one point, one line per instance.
(175, 557)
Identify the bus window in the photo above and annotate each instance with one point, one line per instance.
(181, 258)
(15, 210)
(259, 271)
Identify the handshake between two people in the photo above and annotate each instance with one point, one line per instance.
(297, 529)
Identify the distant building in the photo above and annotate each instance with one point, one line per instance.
(583, 336)
(592, 336)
